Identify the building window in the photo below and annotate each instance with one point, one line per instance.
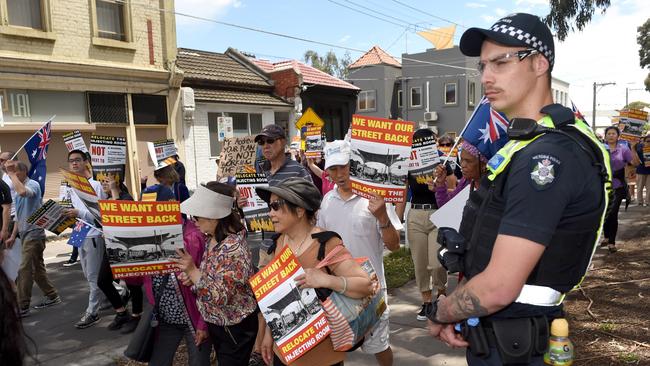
(450, 93)
(400, 100)
(110, 19)
(25, 13)
(107, 108)
(471, 94)
(149, 109)
(416, 96)
(243, 124)
(19, 103)
(367, 100)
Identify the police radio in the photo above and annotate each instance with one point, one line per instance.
(452, 249)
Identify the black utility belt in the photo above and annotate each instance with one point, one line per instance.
(423, 206)
(517, 340)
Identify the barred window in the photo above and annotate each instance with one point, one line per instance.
(107, 108)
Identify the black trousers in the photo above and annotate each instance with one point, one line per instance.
(610, 227)
(105, 283)
(233, 344)
(137, 298)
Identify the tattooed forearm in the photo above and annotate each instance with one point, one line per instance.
(461, 304)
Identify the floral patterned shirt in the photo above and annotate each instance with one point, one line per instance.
(223, 294)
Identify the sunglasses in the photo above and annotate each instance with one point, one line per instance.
(263, 141)
(445, 145)
(196, 218)
(71, 161)
(275, 205)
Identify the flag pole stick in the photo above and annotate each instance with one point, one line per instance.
(30, 137)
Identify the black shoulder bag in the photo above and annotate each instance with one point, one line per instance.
(141, 344)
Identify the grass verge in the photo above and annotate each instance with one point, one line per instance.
(398, 268)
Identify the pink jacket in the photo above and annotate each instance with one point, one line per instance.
(194, 242)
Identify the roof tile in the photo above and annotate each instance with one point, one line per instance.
(217, 67)
(310, 75)
(241, 97)
(375, 56)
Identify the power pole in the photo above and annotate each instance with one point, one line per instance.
(593, 116)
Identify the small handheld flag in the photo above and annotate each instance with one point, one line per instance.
(79, 234)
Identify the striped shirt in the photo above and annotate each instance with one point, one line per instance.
(289, 169)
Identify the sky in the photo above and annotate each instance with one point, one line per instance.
(605, 51)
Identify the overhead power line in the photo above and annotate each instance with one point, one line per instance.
(429, 14)
(288, 36)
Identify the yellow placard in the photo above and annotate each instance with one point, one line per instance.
(309, 117)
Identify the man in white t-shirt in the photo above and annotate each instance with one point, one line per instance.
(13, 253)
(366, 226)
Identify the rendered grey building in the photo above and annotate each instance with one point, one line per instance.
(377, 74)
(436, 88)
(439, 89)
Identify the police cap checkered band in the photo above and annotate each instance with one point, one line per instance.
(519, 29)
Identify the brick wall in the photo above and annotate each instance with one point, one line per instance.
(285, 81)
(71, 24)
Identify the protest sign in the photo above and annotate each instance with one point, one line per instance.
(314, 142)
(162, 153)
(424, 159)
(108, 155)
(295, 316)
(380, 157)
(50, 217)
(74, 141)
(256, 211)
(237, 156)
(141, 237)
(224, 128)
(81, 186)
(631, 128)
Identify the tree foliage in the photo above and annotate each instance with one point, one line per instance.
(329, 63)
(637, 105)
(565, 12)
(643, 39)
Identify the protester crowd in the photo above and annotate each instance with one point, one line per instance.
(208, 300)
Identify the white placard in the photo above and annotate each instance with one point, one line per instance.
(451, 213)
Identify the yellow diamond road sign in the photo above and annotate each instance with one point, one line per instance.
(309, 118)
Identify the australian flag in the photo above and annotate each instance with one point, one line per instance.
(79, 234)
(36, 149)
(486, 129)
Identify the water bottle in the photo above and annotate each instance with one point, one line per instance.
(560, 348)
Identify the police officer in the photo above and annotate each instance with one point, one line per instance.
(530, 229)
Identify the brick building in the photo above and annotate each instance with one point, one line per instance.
(101, 66)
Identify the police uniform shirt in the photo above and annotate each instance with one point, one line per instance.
(549, 183)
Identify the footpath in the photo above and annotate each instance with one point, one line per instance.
(58, 342)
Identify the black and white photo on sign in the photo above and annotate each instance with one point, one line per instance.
(314, 143)
(380, 165)
(288, 309)
(138, 244)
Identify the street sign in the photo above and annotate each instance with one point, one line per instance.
(309, 117)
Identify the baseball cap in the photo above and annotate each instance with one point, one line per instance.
(337, 153)
(519, 29)
(208, 204)
(298, 191)
(271, 131)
